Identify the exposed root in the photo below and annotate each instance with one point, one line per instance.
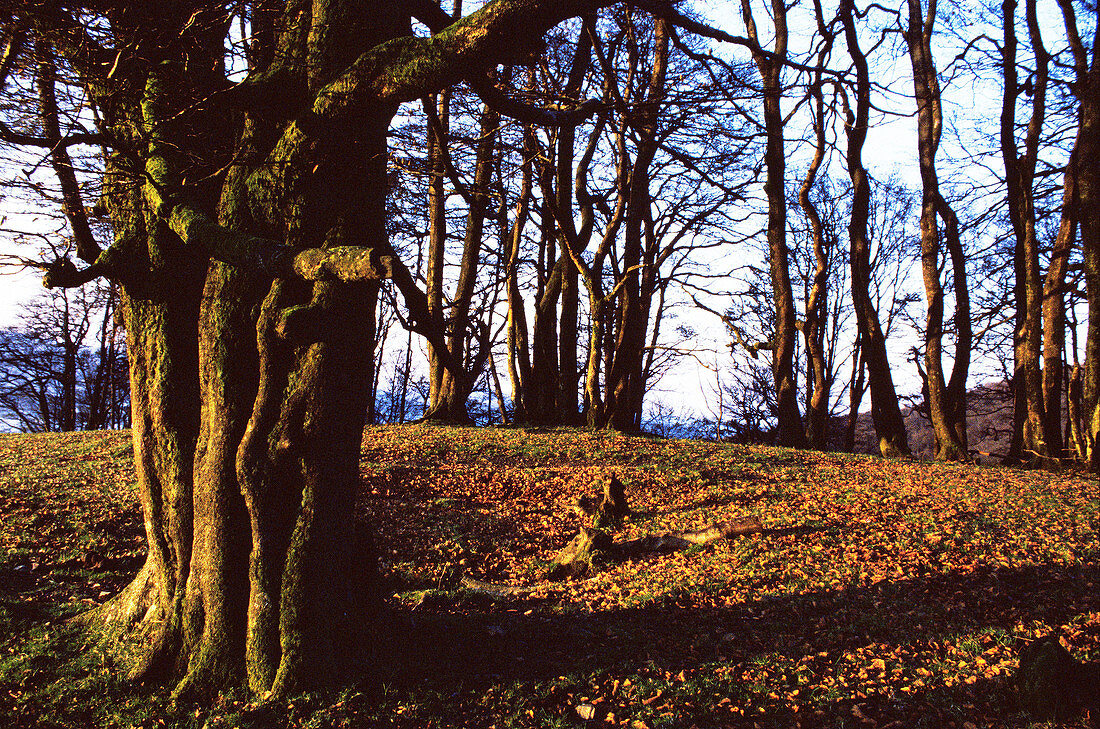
(592, 546)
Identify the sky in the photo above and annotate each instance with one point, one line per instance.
(15, 289)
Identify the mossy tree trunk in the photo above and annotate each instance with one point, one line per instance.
(249, 237)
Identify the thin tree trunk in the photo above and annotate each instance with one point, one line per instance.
(439, 106)
(817, 301)
(519, 357)
(568, 368)
(855, 395)
(770, 65)
(885, 410)
(948, 416)
(624, 375)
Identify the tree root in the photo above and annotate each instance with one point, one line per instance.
(593, 546)
(493, 590)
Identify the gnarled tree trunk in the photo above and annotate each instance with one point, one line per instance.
(249, 254)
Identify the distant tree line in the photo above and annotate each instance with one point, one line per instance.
(63, 366)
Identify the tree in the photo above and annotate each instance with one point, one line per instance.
(452, 387)
(771, 64)
(249, 254)
(818, 378)
(946, 401)
(661, 151)
(885, 409)
(622, 403)
(63, 367)
(1056, 120)
(1082, 185)
(1030, 442)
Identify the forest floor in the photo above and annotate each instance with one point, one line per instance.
(882, 593)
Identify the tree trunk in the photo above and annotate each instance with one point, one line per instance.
(856, 388)
(1054, 315)
(1084, 179)
(770, 65)
(568, 369)
(621, 407)
(948, 415)
(817, 301)
(1030, 442)
(885, 410)
(449, 404)
(1088, 203)
(519, 358)
(438, 106)
(542, 391)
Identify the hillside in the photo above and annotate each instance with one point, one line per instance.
(882, 593)
(988, 426)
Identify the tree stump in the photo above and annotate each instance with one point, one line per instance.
(606, 510)
(1053, 686)
(586, 549)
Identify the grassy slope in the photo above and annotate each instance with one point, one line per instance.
(885, 593)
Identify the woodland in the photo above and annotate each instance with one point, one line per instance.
(256, 194)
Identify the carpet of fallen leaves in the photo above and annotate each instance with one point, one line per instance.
(72, 530)
(882, 593)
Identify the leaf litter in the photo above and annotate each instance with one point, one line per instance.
(883, 593)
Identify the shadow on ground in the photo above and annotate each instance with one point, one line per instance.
(469, 648)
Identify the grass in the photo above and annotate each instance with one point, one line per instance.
(883, 593)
